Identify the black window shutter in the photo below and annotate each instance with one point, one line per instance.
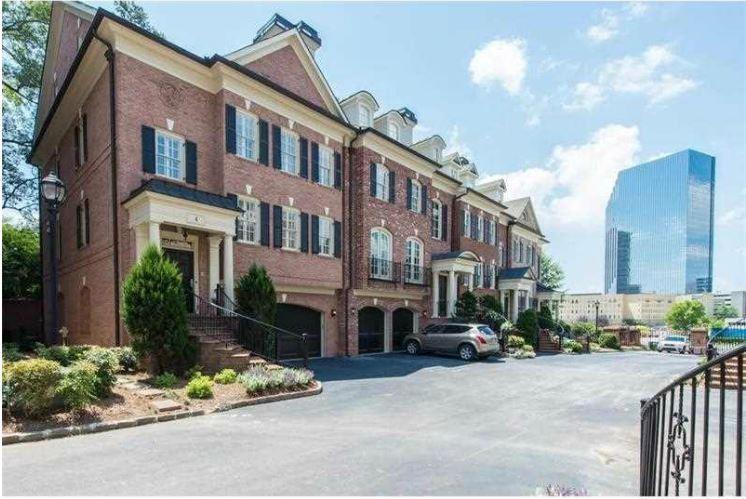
(409, 193)
(87, 214)
(191, 163)
(304, 232)
(277, 226)
(263, 143)
(337, 239)
(423, 200)
(77, 145)
(85, 138)
(314, 161)
(474, 227)
(304, 157)
(444, 214)
(486, 231)
(315, 234)
(462, 222)
(79, 225)
(276, 139)
(373, 179)
(148, 149)
(264, 216)
(230, 129)
(337, 170)
(392, 187)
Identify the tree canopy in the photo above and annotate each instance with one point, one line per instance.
(723, 311)
(685, 315)
(550, 272)
(21, 264)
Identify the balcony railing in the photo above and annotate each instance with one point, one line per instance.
(416, 274)
(383, 270)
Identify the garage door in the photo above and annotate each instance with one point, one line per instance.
(299, 320)
(403, 322)
(370, 330)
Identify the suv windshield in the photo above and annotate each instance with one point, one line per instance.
(675, 338)
(486, 330)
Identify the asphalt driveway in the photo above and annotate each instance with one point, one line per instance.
(384, 425)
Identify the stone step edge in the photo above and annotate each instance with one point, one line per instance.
(68, 431)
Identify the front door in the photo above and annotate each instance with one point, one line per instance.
(442, 295)
(184, 260)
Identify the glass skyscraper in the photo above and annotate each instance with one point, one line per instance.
(659, 225)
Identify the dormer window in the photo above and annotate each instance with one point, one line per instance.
(438, 155)
(393, 131)
(366, 118)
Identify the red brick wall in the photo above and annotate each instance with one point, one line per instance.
(68, 45)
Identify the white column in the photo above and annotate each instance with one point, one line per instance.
(470, 281)
(436, 293)
(388, 326)
(154, 234)
(451, 298)
(228, 265)
(141, 239)
(214, 269)
(515, 305)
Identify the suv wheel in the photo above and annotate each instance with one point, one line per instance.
(467, 352)
(412, 347)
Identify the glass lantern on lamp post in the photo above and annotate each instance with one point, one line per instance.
(53, 192)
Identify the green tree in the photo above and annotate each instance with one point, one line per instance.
(135, 14)
(723, 311)
(550, 272)
(256, 298)
(528, 324)
(685, 315)
(154, 311)
(490, 311)
(21, 268)
(546, 321)
(583, 329)
(466, 307)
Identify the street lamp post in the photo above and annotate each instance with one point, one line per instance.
(53, 191)
(588, 342)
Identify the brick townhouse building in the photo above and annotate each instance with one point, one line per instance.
(249, 157)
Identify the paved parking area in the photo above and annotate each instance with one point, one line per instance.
(385, 425)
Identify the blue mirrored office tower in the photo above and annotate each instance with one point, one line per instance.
(659, 226)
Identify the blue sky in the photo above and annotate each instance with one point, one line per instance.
(555, 97)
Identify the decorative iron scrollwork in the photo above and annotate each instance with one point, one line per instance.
(679, 448)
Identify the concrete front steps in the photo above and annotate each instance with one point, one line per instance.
(547, 344)
(731, 375)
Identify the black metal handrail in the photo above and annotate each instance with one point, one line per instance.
(416, 274)
(261, 338)
(384, 270)
(668, 430)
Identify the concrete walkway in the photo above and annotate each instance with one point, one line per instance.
(388, 424)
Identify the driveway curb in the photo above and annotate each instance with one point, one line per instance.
(68, 431)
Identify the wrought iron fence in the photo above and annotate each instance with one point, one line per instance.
(416, 274)
(727, 338)
(679, 436)
(383, 270)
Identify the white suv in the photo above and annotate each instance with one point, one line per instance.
(674, 343)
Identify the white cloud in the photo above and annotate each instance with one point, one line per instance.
(733, 216)
(611, 19)
(454, 143)
(420, 132)
(586, 96)
(500, 62)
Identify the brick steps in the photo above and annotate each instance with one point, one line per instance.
(547, 344)
(731, 375)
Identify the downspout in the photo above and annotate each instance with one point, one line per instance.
(110, 57)
(455, 223)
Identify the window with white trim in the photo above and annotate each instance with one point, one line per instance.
(365, 116)
(290, 228)
(436, 231)
(393, 131)
(413, 263)
(246, 132)
(288, 152)
(169, 155)
(493, 277)
(382, 182)
(480, 228)
(247, 227)
(380, 253)
(326, 166)
(478, 270)
(415, 197)
(493, 232)
(326, 236)
(467, 223)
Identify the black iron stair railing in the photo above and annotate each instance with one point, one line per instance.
(678, 437)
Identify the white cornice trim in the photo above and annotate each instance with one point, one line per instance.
(384, 294)
(311, 290)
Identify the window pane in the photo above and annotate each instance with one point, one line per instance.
(288, 152)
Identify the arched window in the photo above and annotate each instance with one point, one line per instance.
(436, 219)
(393, 131)
(380, 254)
(413, 263)
(382, 182)
(365, 116)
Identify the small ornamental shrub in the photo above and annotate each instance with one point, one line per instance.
(523, 354)
(11, 353)
(465, 308)
(255, 380)
(199, 387)
(608, 340)
(275, 379)
(516, 341)
(528, 325)
(296, 378)
(573, 346)
(106, 364)
(165, 380)
(226, 377)
(32, 385)
(77, 388)
(127, 359)
(527, 348)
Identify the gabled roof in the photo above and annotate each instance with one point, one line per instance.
(516, 273)
(523, 211)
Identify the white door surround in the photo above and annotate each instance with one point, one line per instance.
(451, 264)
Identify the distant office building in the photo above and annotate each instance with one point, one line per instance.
(659, 227)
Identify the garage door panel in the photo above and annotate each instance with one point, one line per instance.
(370, 330)
(298, 319)
(403, 324)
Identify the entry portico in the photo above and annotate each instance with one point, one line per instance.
(175, 217)
(518, 288)
(450, 264)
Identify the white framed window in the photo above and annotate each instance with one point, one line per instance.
(493, 232)
(501, 253)
(467, 224)
(380, 254)
(413, 263)
(478, 270)
(415, 197)
(288, 152)
(365, 116)
(290, 229)
(326, 166)
(436, 230)
(393, 131)
(247, 228)
(493, 277)
(382, 182)
(246, 133)
(521, 252)
(169, 155)
(326, 236)
(480, 228)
